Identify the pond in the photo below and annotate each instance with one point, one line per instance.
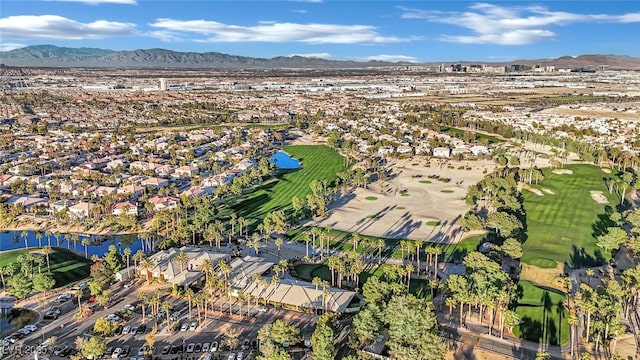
(282, 160)
(11, 240)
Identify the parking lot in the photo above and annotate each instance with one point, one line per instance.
(181, 338)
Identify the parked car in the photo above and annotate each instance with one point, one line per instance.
(214, 346)
(246, 345)
(166, 350)
(64, 297)
(193, 326)
(50, 315)
(126, 330)
(232, 356)
(129, 307)
(60, 350)
(262, 309)
(240, 356)
(191, 347)
(198, 348)
(141, 329)
(143, 350)
(118, 330)
(184, 327)
(129, 284)
(116, 353)
(205, 347)
(134, 330)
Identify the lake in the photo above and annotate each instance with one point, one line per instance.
(282, 160)
(10, 240)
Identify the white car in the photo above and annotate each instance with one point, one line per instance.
(232, 356)
(240, 356)
(126, 330)
(112, 317)
(193, 326)
(129, 307)
(129, 284)
(262, 309)
(190, 347)
(205, 347)
(184, 327)
(64, 297)
(24, 331)
(214, 346)
(31, 328)
(116, 353)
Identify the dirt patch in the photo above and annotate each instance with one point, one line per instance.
(599, 197)
(563, 171)
(548, 191)
(606, 170)
(544, 277)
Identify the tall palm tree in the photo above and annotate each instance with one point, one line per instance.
(380, 244)
(226, 270)
(189, 294)
(46, 251)
(573, 323)
(127, 254)
(38, 235)
(166, 306)
(146, 264)
(78, 294)
(142, 297)
(25, 237)
(85, 242)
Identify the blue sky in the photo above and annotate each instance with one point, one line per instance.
(419, 31)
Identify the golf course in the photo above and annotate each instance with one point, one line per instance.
(66, 266)
(318, 162)
(563, 220)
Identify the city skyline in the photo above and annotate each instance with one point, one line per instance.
(413, 31)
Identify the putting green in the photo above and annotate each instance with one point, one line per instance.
(432, 223)
(371, 198)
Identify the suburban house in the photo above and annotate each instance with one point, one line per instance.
(186, 171)
(133, 190)
(164, 202)
(155, 182)
(126, 207)
(443, 152)
(81, 210)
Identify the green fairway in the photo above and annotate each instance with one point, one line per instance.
(66, 266)
(319, 162)
(540, 306)
(563, 223)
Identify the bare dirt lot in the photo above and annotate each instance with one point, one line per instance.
(411, 205)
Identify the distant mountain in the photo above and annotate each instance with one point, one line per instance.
(49, 55)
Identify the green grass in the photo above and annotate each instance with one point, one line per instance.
(432, 223)
(371, 198)
(340, 240)
(66, 266)
(319, 162)
(400, 208)
(563, 226)
(404, 194)
(543, 263)
(539, 306)
(477, 136)
(425, 181)
(307, 272)
(374, 216)
(446, 191)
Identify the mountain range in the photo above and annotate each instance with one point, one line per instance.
(54, 56)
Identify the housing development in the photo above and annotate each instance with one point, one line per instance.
(396, 211)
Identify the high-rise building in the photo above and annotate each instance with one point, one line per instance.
(163, 84)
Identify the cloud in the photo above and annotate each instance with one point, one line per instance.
(10, 46)
(392, 58)
(323, 55)
(517, 25)
(97, 2)
(276, 32)
(58, 27)
(299, 11)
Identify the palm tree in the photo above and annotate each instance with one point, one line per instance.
(284, 265)
(166, 306)
(142, 297)
(207, 267)
(5, 270)
(137, 259)
(153, 302)
(78, 294)
(48, 234)
(127, 254)
(381, 244)
(182, 259)
(226, 270)
(307, 238)
(85, 242)
(278, 244)
(25, 236)
(46, 251)
(189, 294)
(573, 322)
(38, 235)
(146, 264)
(419, 243)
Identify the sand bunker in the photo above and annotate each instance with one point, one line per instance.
(563, 171)
(599, 197)
(407, 217)
(605, 170)
(548, 191)
(535, 191)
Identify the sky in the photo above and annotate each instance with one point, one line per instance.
(414, 31)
